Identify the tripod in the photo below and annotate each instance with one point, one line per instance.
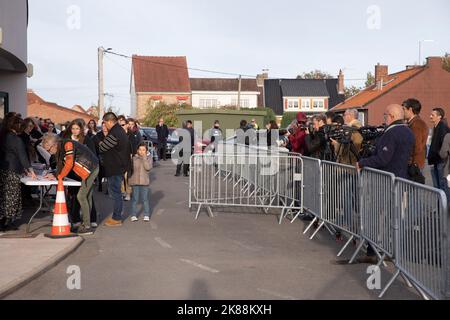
(348, 148)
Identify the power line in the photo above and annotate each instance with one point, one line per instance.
(180, 67)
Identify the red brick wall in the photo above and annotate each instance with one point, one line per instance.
(431, 87)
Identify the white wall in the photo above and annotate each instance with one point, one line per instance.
(13, 21)
(225, 98)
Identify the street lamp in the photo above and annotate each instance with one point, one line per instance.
(420, 49)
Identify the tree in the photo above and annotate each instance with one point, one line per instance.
(370, 79)
(165, 111)
(316, 74)
(446, 62)
(351, 91)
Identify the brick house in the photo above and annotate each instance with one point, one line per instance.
(38, 107)
(220, 92)
(430, 84)
(311, 96)
(158, 79)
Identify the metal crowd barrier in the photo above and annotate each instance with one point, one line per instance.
(376, 209)
(339, 201)
(403, 221)
(312, 189)
(246, 180)
(421, 239)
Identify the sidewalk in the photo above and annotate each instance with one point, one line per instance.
(24, 259)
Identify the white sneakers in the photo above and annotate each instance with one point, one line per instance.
(134, 219)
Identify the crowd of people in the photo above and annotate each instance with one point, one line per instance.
(115, 152)
(401, 148)
(78, 151)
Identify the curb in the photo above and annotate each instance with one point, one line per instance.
(40, 270)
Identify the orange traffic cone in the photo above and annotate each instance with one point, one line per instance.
(61, 225)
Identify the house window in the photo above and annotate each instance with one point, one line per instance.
(292, 104)
(318, 104)
(245, 103)
(306, 104)
(208, 103)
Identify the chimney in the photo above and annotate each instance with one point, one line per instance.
(381, 73)
(434, 62)
(341, 82)
(260, 79)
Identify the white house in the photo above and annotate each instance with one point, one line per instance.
(221, 92)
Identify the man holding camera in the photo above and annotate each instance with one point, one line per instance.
(298, 134)
(347, 152)
(316, 141)
(394, 148)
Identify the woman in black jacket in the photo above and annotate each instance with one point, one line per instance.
(13, 163)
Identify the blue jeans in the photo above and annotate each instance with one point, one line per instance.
(439, 181)
(140, 193)
(114, 189)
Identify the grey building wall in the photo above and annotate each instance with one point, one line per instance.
(13, 53)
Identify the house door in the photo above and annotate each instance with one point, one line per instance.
(4, 109)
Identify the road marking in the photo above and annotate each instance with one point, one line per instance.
(276, 294)
(254, 248)
(153, 225)
(163, 243)
(200, 266)
(160, 212)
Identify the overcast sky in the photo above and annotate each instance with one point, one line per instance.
(239, 36)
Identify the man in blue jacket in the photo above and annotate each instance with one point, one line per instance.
(392, 154)
(394, 147)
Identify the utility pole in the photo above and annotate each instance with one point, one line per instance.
(239, 93)
(101, 94)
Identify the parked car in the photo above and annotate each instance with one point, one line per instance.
(150, 134)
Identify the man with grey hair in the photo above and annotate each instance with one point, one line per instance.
(347, 152)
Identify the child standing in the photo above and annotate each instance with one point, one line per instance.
(140, 182)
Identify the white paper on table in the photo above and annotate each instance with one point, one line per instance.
(41, 181)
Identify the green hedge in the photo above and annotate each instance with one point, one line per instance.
(288, 117)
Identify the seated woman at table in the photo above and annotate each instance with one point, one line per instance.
(77, 158)
(13, 162)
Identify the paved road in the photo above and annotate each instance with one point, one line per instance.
(233, 256)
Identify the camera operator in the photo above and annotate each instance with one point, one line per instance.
(297, 131)
(316, 140)
(394, 147)
(347, 151)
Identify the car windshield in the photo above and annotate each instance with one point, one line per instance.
(173, 134)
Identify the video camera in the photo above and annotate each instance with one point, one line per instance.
(340, 133)
(370, 134)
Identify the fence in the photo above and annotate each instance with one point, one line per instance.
(403, 221)
(246, 180)
(421, 239)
